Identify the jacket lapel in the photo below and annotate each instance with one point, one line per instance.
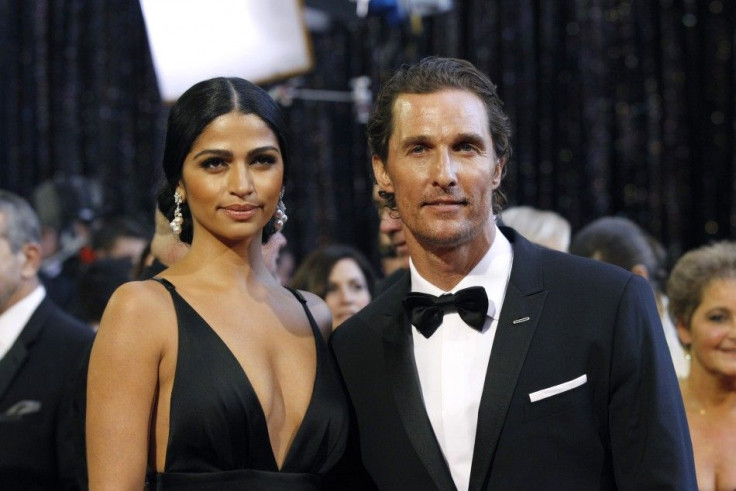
(13, 360)
(399, 354)
(520, 313)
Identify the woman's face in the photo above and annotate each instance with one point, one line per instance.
(347, 290)
(712, 332)
(232, 177)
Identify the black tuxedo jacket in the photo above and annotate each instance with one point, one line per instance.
(563, 317)
(36, 401)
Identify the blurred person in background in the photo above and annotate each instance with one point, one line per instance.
(164, 249)
(619, 241)
(66, 206)
(96, 284)
(544, 227)
(391, 242)
(340, 275)
(41, 349)
(702, 293)
(118, 237)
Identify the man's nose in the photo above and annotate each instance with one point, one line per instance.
(444, 168)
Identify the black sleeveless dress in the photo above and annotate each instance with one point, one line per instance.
(218, 438)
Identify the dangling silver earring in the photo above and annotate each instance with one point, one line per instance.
(175, 224)
(280, 214)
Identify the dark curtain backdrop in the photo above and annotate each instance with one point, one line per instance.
(79, 97)
(619, 108)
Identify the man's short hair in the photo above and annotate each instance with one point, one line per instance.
(21, 222)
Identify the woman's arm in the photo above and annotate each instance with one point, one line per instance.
(122, 386)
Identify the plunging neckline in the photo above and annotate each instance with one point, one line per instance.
(249, 387)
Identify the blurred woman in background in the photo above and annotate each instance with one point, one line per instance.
(341, 276)
(702, 293)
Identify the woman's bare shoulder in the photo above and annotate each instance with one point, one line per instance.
(138, 306)
(320, 311)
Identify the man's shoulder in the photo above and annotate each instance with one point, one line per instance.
(585, 269)
(369, 324)
(58, 328)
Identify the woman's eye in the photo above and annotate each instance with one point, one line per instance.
(265, 159)
(213, 163)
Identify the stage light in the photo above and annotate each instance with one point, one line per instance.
(193, 40)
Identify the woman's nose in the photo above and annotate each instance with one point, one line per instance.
(240, 182)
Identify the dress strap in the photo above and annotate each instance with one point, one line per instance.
(167, 284)
(297, 294)
(310, 317)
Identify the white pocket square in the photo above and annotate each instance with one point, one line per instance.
(558, 389)
(23, 407)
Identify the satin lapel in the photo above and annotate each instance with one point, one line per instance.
(14, 358)
(401, 367)
(522, 307)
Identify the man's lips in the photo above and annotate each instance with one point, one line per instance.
(440, 203)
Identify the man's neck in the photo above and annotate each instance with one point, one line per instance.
(446, 267)
(25, 289)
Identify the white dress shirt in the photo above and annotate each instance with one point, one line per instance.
(13, 320)
(452, 363)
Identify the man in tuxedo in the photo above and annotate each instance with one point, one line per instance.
(40, 352)
(495, 363)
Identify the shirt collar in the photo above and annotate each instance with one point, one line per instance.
(13, 320)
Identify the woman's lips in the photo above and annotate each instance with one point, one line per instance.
(240, 212)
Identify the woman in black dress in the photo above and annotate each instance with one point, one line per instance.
(213, 375)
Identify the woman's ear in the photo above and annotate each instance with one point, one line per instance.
(684, 335)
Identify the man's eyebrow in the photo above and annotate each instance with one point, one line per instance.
(474, 138)
(415, 140)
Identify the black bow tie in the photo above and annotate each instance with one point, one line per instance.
(426, 311)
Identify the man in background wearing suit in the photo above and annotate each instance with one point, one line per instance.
(40, 352)
(495, 363)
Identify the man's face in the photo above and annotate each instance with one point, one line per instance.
(442, 168)
(11, 269)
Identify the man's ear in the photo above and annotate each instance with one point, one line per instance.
(382, 177)
(32, 258)
(498, 172)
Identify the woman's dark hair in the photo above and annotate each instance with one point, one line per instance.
(189, 116)
(313, 273)
(430, 75)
